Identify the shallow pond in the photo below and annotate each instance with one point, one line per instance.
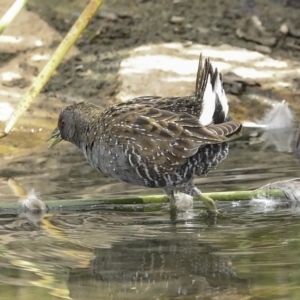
(139, 252)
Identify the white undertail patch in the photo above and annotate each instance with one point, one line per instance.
(209, 104)
(221, 94)
(213, 90)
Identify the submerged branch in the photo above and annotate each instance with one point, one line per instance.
(246, 195)
(92, 204)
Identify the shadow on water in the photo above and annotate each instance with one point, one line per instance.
(138, 252)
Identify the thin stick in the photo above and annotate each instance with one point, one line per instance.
(11, 14)
(91, 204)
(246, 195)
(52, 64)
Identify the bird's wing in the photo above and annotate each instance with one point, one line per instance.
(187, 104)
(209, 104)
(159, 139)
(225, 129)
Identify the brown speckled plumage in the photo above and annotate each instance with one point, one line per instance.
(154, 141)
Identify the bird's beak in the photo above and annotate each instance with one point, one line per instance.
(54, 135)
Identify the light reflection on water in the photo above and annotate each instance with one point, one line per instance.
(140, 253)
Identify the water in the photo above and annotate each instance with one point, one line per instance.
(139, 252)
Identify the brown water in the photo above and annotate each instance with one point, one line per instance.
(138, 252)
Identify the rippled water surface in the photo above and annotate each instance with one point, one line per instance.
(114, 252)
(139, 252)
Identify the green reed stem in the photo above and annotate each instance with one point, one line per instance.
(91, 204)
(11, 13)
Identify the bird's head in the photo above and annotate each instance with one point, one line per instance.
(72, 123)
(65, 127)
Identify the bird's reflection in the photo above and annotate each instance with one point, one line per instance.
(157, 268)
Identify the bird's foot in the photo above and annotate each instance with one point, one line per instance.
(210, 203)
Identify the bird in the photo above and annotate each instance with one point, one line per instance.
(152, 141)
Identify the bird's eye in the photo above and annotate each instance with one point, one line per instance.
(63, 123)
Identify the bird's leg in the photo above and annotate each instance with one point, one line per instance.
(171, 196)
(173, 207)
(210, 203)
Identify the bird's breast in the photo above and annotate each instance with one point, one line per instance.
(111, 161)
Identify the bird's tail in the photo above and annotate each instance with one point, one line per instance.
(211, 95)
